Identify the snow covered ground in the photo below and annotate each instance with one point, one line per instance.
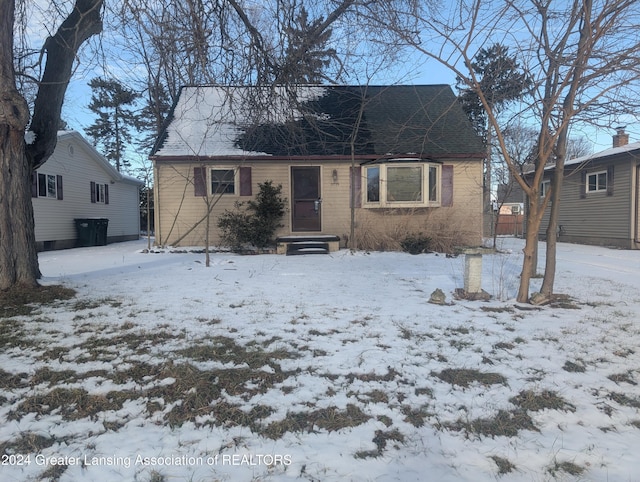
(323, 368)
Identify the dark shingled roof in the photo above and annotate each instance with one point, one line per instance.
(424, 120)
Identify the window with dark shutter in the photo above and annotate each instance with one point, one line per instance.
(42, 185)
(106, 194)
(223, 181)
(92, 186)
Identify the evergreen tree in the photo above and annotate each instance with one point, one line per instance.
(153, 115)
(499, 77)
(112, 103)
(307, 55)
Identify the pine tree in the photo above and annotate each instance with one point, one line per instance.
(307, 55)
(153, 115)
(500, 79)
(112, 103)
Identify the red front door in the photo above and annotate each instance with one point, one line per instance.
(306, 202)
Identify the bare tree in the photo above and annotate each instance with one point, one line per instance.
(582, 57)
(18, 159)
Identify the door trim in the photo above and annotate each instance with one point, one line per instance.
(303, 229)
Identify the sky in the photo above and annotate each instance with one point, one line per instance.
(349, 341)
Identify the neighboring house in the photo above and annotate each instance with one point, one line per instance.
(600, 198)
(405, 157)
(77, 182)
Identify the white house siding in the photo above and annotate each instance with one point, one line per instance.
(596, 218)
(54, 218)
(178, 209)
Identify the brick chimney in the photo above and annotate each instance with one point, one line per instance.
(621, 138)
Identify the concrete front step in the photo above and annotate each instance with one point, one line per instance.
(293, 245)
(305, 248)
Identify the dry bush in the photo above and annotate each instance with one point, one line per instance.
(385, 229)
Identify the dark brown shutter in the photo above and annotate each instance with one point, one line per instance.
(106, 194)
(34, 184)
(92, 185)
(446, 197)
(355, 196)
(610, 181)
(42, 185)
(59, 186)
(199, 181)
(583, 184)
(245, 181)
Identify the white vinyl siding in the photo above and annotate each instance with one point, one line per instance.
(54, 221)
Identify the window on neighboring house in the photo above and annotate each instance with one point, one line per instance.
(403, 184)
(46, 185)
(544, 187)
(99, 193)
(597, 181)
(223, 181)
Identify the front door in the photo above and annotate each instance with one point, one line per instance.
(306, 202)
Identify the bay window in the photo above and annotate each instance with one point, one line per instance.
(402, 184)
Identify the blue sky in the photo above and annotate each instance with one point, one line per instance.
(78, 116)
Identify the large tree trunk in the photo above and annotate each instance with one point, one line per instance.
(18, 255)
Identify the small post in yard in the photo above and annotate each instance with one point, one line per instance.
(473, 275)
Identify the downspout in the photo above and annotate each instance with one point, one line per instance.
(156, 205)
(635, 192)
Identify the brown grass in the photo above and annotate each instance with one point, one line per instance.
(380, 439)
(504, 423)
(504, 465)
(464, 377)
(20, 301)
(71, 403)
(568, 467)
(27, 442)
(532, 401)
(330, 419)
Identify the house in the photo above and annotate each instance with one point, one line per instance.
(77, 182)
(600, 197)
(397, 159)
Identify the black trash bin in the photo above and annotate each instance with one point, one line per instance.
(101, 231)
(91, 231)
